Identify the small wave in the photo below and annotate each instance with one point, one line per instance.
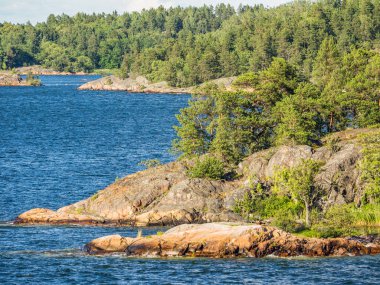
(52, 253)
(6, 223)
(60, 84)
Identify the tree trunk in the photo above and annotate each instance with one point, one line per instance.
(307, 214)
(331, 121)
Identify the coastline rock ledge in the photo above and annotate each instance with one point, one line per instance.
(134, 85)
(141, 84)
(8, 79)
(166, 195)
(223, 240)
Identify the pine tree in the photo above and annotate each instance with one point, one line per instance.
(325, 63)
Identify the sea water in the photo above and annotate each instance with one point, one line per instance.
(59, 145)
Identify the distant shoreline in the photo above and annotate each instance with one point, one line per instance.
(141, 84)
(39, 70)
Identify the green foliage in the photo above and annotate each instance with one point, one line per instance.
(108, 81)
(298, 117)
(246, 80)
(337, 221)
(260, 203)
(32, 80)
(326, 62)
(350, 98)
(332, 143)
(286, 221)
(232, 125)
(207, 167)
(293, 192)
(54, 56)
(298, 183)
(284, 208)
(346, 220)
(278, 106)
(370, 167)
(150, 163)
(83, 63)
(368, 215)
(187, 46)
(193, 133)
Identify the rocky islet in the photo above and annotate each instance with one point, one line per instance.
(224, 240)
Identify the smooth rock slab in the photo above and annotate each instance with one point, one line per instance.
(228, 240)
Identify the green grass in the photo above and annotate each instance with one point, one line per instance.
(80, 210)
(94, 197)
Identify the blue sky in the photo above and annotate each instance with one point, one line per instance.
(20, 11)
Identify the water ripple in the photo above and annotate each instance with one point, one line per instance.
(59, 145)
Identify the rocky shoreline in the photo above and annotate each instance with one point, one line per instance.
(40, 70)
(7, 79)
(137, 85)
(166, 195)
(140, 84)
(224, 240)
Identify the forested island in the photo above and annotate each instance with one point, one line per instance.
(188, 46)
(292, 141)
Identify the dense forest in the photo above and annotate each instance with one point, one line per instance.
(278, 106)
(188, 46)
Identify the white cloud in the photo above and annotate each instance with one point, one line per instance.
(20, 11)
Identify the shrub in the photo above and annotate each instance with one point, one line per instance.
(298, 183)
(150, 163)
(333, 144)
(259, 204)
(370, 168)
(337, 221)
(287, 222)
(33, 80)
(207, 167)
(245, 80)
(346, 220)
(108, 81)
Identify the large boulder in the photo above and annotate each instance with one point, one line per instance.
(339, 177)
(228, 240)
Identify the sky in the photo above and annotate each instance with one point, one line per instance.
(21, 11)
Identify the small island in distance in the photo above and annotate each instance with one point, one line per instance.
(282, 130)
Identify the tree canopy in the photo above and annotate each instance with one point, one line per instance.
(187, 46)
(278, 106)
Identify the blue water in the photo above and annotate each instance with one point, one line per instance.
(59, 145)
